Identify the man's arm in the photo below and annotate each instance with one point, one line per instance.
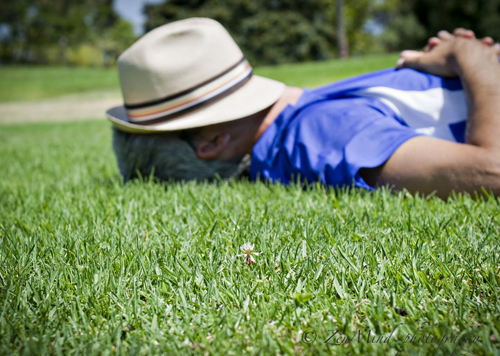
(425, 164)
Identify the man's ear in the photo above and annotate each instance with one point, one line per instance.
(211, 149)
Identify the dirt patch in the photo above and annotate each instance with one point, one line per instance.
(90, 105)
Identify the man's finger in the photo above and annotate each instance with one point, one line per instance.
(409, 59)
(431, 43)
(400, 63)
(462, 32)
(496, 47)
(487, 41)
(410, 54)
(445, 35)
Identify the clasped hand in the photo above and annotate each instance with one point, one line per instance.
(439, 57)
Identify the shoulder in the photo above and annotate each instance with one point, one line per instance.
(402, 79)
(342, 111)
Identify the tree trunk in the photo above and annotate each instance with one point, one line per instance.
(342, 45)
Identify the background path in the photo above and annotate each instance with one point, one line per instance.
(90, 105)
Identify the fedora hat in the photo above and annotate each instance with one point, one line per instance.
(187, 74)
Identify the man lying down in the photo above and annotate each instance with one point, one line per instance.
(193, 110)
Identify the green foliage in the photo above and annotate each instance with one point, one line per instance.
(114, 40)
(268, 31)
(481, 15)
(92, 266)
(404, 30)
(277, 37)
(409, 23)
(271, 32)
(50, 31)
(85, 56)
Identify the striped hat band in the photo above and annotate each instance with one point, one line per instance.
(193, 98)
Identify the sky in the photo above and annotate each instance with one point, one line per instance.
(131, 10)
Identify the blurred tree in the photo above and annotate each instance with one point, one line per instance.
(402, 28)
(409, 23)
(112, 41)
(342, 45)
(268, 31)
(483, 16)
(13, 16)
(271, 31)
(45, 31)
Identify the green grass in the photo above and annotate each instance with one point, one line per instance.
(314, 74)
(89, 265)
(34, 83)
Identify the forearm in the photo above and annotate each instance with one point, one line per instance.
(479, 71)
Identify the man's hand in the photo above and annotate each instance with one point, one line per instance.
(435, 58)
(458, 32)
(439, 61)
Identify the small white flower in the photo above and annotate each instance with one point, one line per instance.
(247, 248)
(248, 253)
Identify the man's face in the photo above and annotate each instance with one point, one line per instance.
(228, 141)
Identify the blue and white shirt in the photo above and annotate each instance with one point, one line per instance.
(335, 130)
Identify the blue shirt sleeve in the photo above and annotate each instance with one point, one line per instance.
(329, 141)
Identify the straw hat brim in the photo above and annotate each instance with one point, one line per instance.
(257, 94)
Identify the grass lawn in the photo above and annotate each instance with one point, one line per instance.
(89, 265)
(34, 83)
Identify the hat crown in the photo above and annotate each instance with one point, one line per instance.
(174, 58)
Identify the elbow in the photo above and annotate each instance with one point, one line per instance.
(491, 173)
